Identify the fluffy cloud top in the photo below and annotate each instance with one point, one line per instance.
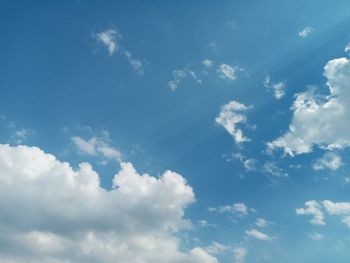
(53, 213)
(232, 114)
(320, 120)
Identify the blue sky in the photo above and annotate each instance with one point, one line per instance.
(245, 104)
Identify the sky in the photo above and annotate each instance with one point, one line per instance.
(174, 131)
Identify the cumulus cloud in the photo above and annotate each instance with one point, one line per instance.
(237, 208)
(306, 32)
(97, 146)
(312, 208)
(329, 160)
(179, 75)
(240, 254)
(109, 38)
(232, 114)
(257, 234)
(228, 72)
(277, 88)
(52, 213)
(320, 120)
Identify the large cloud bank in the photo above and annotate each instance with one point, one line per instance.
(51, 213)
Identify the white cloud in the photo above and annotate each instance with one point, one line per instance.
(320, 120)
(109, 39)
(261, 222)
(257, 234)
(240, 254)
(312, 208)
(136, 64)
(228, 72)
(278, 88)
(97, 146)
(180, 75)
(306, 32)
(207, 63)
(329, 160)
(237, 208)
(231, 114)
(55, 214)
(316, 236)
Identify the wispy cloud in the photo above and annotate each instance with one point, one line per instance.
(207, 63)
(109, 38)
(257, 234)
(315, 236)
(240, 254)
(238, 208)
(97, 146)
(136, 64)
(277, 88)
(329, 161)
(272, 169)
(22, 134)
(306, 32)
(228, 72)
(347, 48)
(261, 222)
(216, 248)
(179, 75)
